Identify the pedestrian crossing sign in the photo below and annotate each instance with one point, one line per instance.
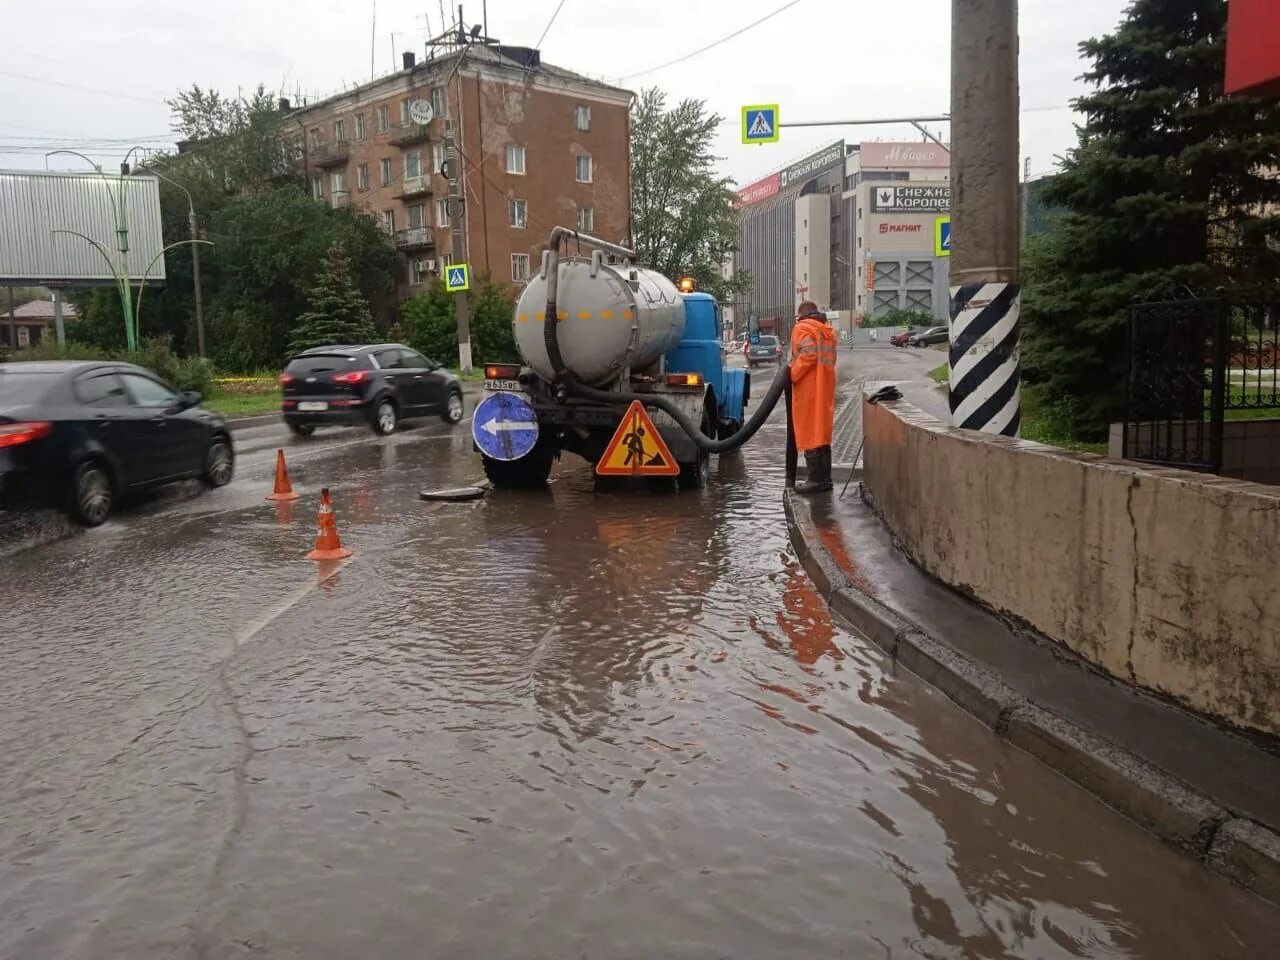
(637, 448)
(942, 237)
(457, 277)
(760, 124)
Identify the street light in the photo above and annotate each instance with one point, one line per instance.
(194, 228)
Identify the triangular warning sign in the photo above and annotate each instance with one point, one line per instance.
(760, 126)
(637, 449)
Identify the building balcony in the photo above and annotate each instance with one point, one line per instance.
(339, 199)
(414, 187)
(405, 134)
(331, 154)
(415, 238)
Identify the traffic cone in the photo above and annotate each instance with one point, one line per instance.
(283, 490)
(328, 546)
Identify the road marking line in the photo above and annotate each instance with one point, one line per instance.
(289, 602)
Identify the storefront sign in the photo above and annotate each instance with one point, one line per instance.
(904, 199)
(814, 164)
(881, 156)
(760, 190)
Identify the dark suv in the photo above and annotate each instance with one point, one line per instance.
(377, 385)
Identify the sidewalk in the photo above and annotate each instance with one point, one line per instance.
(1209, 791)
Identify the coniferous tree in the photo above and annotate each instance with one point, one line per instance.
(337, 314)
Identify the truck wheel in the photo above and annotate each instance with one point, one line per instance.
(693, 474)
(528, 473)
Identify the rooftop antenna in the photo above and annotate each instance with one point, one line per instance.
(484, 10)
(373, 39)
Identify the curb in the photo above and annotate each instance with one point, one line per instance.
(1237, 848)
(470, 388)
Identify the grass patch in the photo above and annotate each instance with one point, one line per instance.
(1050, 423)
(476, 374)
(244, 396)
(940, 374)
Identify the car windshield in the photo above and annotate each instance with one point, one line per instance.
(768, 342)
(316, 363)
(19, 387)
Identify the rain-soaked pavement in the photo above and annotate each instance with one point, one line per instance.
(579, 723)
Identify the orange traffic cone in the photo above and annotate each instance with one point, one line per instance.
(328, 546)
(283, 490)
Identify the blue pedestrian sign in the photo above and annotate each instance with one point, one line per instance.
(942, 237)
(457, 277)
(760, 123)
(505, 426)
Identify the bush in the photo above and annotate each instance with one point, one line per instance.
(432, 326)
(182, 373)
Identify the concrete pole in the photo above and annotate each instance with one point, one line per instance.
(58, 328)
(195, 279)
(458, 253)
(984, 216)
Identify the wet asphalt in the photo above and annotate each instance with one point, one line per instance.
(584, 722)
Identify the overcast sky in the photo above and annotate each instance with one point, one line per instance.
(82, 72)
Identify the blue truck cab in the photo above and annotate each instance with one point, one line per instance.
(702, 351)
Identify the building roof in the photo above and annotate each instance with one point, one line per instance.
(38, 310)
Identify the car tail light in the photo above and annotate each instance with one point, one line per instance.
(355, 376)
(286, 379)
(501, 371)
(14, 434)
(684, 379)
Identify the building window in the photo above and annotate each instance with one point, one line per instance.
(587, 220)
(315, 137)
(519, 267)
(317, 187)
(515, 158)
(437, 158)
(340, 130)
(24, 333)
(362, 176)
(413, 164)
(584, 168)
(389, 221)
(404, 111)
(442, 211)
(518, 213)
(384, 170)
(338, 181)
(437, 101)
(859, 213)
(361, 131)
(859, 242)
(806, 249)
(384, 119)
(582, 117)
(417, 216)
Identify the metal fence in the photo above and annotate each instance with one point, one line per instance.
(1190, 361)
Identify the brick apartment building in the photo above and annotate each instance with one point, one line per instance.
(540, 146)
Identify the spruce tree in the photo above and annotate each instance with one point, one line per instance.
(1168, 190)
(337, 314)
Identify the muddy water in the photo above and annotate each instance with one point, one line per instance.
(574, 724)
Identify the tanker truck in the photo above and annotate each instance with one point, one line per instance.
(597, 332)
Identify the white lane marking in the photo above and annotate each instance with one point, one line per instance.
(288, 603)
(304, 454)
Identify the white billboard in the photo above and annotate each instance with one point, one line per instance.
(34, 204)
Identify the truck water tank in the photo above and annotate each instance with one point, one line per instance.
(611, 318)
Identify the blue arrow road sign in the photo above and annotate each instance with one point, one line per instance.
(505, 426)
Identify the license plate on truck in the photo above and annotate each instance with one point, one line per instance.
(507, 386)
(309, 406)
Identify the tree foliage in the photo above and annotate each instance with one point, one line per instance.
(430, 324)
(336, 312)
(685, 223)
(1168, 188)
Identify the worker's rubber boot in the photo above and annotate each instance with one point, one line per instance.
(819, 479)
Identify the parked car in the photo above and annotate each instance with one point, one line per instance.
(376, 385)
(929, 337)
(84, 434)
(903, 338)
(766, 349)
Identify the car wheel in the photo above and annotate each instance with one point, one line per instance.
(219, 463)
(453, 407)
(384, 418)
(300, 429)
(92, 495)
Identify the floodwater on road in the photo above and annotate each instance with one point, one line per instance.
(578, 723)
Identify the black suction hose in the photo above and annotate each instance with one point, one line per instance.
(577, 388)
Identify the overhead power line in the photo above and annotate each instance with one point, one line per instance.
(538, 45)
(44, 81)
(712, 44)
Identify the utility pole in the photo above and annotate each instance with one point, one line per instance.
(458, 253)
(984, 216)
(195, 273)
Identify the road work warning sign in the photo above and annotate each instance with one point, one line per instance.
(637, 449)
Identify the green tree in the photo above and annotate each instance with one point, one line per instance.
(1172, 185)
(684, 220)
(337, 314)
(430, 326)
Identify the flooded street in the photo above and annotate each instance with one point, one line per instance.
(576, 723)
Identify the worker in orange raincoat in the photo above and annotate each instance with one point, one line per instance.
(813, 400)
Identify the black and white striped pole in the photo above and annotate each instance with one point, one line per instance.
(985, 392)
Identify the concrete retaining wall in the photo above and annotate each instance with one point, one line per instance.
(1164, 578)
(1250, 448)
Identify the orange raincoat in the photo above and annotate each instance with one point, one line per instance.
(813, 375)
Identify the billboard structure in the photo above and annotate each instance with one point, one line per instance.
(1253, 31)
(36, 206)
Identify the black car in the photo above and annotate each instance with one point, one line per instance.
(929, 337)
(766, 349)
(83, 434)
(377, 386)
